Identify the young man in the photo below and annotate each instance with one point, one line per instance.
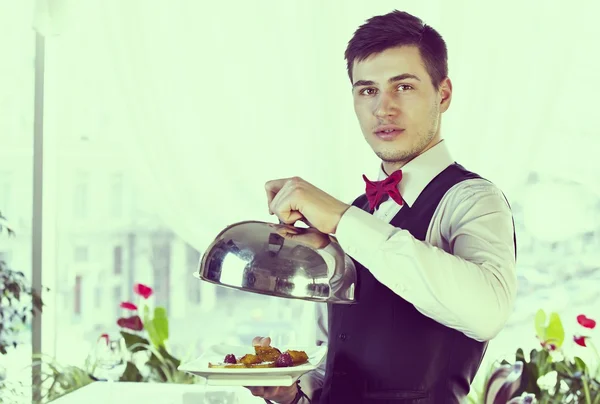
(433, 243)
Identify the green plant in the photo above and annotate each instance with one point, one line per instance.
(18, 300)
(147, 340)
(58, 379)
(550, 374)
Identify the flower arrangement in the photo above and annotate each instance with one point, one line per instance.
(550, 374)
(146, 335)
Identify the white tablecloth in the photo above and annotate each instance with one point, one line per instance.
(157, 393)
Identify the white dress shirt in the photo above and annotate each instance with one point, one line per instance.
(462, 275)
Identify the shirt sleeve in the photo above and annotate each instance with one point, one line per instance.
(468, 282)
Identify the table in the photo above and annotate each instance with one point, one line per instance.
(157, 393)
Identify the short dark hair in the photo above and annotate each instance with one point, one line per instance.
(399, 28)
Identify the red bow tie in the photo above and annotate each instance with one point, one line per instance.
(376, 190)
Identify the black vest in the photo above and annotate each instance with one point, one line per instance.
(382, 350)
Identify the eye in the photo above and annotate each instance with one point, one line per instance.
(368, 91)
(404, 87)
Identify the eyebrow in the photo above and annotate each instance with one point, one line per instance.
(399, 77)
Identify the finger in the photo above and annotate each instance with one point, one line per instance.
(288, 236)
(287, 232)
(276, 197)
(257, 391)
(272, 188)
(306, 222)
(271, 393)
(280, 393)
(283, 204)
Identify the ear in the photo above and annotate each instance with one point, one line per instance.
(445, 92)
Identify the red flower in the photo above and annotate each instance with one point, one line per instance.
(579, 340)
(105, 337)
(128, 306)
(548, 346)
(586, 322)
(133, 323)
(142, 290)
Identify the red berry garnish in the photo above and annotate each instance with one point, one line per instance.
(230, 359)
(284, 360)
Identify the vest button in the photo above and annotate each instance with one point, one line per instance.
(343, 337)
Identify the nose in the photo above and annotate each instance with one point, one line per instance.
(386, 106)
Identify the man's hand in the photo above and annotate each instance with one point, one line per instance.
(293, 199)
(310, 237)
(277, 394)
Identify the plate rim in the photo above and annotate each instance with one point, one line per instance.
(320, 350)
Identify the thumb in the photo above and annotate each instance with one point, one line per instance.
(306, 222)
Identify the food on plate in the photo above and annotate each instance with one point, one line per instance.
(263, 357)
(267, 353)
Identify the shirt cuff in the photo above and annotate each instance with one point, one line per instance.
(360, 234)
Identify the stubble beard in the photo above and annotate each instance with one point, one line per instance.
(423, 139)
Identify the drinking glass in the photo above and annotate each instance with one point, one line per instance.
(111, 357)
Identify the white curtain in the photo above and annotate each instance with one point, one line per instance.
(217, 98)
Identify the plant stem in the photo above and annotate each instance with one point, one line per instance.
(586, 389)
(593, 347)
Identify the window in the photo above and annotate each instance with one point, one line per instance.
(117, 298)
(193, 259)
(81, 254)
(117, 195)
(80, 196)
(17, 44)
(161, 268)
(5, 193)
(77, 303)
(97, 297)
(117, 260)
(5, 256)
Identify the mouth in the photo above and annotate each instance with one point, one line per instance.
(388, 132)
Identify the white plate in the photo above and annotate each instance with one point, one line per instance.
(250, 377)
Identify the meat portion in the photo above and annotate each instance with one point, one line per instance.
(267, 353)
(264, 357)
(298, 357)
(250, 360)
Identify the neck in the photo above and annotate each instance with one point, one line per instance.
(390, 166)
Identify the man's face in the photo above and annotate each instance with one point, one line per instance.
(397, 106)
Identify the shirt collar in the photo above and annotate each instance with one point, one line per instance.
(419, 172)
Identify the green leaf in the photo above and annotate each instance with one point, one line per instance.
(134, 342)
(555, 333)
(540, 324)
(149, 326)
(550, 331)
(176, 362)
(161, 325)
(163, 365)
(539, 357)
(131, 374)
(581, 366)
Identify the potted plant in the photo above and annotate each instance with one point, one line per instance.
(550, 373)
(146, 334)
